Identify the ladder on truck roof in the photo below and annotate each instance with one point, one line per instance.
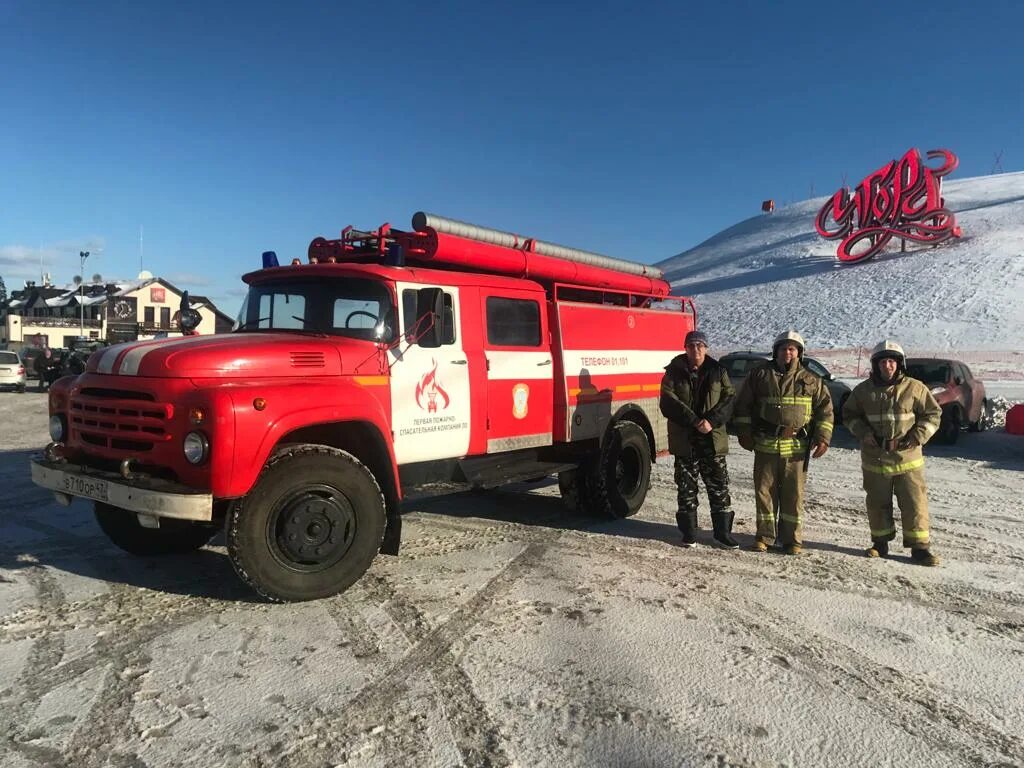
(436, 241)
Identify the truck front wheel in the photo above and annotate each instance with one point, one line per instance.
(622, 473)
(171, 538)
(310, 527)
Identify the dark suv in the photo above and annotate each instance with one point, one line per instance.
(739, 364)
(961, 396)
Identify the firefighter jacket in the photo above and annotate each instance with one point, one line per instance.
(784, 410)
(902, 415)
(689, 396)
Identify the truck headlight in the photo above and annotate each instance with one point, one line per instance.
(196, 446)
(57, 428)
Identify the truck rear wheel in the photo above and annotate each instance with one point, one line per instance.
(622, 473)
(310, 527)
(172, 537)
(574, 487)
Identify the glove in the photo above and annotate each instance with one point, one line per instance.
(819, 450)
(908, 442)
(869, 442)
(747, 442)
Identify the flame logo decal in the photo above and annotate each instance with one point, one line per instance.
(432, 389)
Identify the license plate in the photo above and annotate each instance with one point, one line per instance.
(5, 370)
(86, 486)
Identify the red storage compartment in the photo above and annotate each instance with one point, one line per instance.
(1015, 420)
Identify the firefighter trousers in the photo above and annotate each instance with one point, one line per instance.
(779, 497)
(911, 493)
(710, 468)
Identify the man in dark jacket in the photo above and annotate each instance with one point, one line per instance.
(696, 398)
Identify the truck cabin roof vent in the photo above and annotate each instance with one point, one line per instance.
(307, 359)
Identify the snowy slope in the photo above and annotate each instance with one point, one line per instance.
(774, 272)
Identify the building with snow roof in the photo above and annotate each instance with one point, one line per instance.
(110, 312)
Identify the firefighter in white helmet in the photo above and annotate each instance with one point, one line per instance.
(784, 414)
(893, 415)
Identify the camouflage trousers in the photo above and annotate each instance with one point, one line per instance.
(911, 493)
(705, 465)
(779, 497)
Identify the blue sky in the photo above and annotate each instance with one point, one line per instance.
(631, 129)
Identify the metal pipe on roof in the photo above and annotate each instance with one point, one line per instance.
(422, 221)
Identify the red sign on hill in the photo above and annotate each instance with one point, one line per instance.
(902, 199)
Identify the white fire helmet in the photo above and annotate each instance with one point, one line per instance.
(887, 348)
(789, 337)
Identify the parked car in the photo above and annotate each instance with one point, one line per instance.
(961, 396)
(28, 359)
(12, 372)
(739, 364)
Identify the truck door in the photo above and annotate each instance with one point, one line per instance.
(519, 370)
(430, 397)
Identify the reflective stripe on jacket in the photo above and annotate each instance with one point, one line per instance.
(771, 401)
(903, 410)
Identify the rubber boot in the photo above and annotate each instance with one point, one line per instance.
(878, 548)
(722, 522)
(688, 527)
(923, 557)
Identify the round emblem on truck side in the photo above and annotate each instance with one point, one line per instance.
(520, 400)
(631, 321)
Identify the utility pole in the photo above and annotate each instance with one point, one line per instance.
(82, 256)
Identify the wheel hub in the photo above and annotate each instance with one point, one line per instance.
(628, 472)
(313, 528)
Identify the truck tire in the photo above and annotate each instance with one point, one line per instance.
(949, 426)
(622, 472)
(573, 486)
(171, 538)
(310, 527)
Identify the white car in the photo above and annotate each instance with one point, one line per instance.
(12, 372)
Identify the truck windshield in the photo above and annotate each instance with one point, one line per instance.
(352, 307)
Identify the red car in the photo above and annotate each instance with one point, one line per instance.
(961, 396)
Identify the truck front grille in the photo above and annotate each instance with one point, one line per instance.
(119, 420)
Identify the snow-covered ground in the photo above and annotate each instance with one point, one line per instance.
(509, 633)
(774, 272)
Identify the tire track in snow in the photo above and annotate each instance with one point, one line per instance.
(478, 742)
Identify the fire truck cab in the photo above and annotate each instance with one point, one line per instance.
(388, 360)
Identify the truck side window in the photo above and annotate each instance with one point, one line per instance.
(409, 317)
(513, 322)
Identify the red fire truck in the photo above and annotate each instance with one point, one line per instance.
(390, 359)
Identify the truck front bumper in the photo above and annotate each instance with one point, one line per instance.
(143, 495)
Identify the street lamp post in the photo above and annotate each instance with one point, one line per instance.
(82, 256)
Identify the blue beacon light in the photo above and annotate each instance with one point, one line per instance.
(270, 259)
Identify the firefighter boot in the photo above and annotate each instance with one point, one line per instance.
(878, 548)
(688, 526)
(923, 557)
(722, 522)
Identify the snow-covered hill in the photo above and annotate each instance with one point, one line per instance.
(774, 272)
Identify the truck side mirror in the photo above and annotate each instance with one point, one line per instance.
(430, 319)
(188, 318)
